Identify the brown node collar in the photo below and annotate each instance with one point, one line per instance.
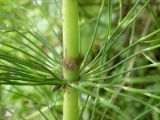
(70, 64)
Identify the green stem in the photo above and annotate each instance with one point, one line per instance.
(70, 57)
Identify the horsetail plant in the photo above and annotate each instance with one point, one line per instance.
(80, 84)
